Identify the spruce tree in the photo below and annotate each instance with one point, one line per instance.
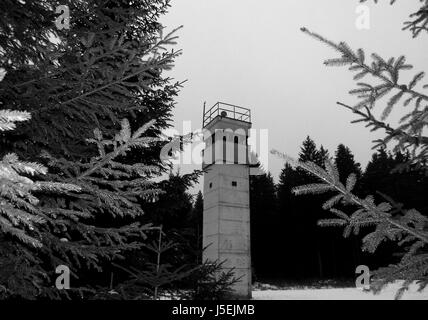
(308, 151)
(309, 213)
(287, 181)
(345, 163)
(96, 93)
(288, 226)
(174, 210)
(346, 251)
(197, 221)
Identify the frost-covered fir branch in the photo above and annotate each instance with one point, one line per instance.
(387, 71)
(61, 227)
(49, 228)
(407, 227)
(410, 134)
(19, 215)
(404, 138)
(9, 117)
(107, 188)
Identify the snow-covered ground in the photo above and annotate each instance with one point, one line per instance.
(339, 294)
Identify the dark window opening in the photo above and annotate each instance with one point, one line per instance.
(224, 149)
(234, 184)
(211, 185)
(235, 150)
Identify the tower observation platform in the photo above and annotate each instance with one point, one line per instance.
(226, 110)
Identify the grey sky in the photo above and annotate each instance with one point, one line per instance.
(252, 53)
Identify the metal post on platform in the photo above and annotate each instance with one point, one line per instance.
(203, 116)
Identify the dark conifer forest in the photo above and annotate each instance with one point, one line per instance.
(288, 244)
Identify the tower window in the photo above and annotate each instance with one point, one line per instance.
(211, 185)
(224, 149)
(235, 150)
(234, 184)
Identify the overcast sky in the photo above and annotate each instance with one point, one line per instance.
(252, 53)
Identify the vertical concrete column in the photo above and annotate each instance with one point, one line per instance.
(226, 217)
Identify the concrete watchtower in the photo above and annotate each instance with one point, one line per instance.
(226, 217)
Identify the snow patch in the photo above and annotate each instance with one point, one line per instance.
(338, 294)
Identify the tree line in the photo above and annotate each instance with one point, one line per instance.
(288, 243)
